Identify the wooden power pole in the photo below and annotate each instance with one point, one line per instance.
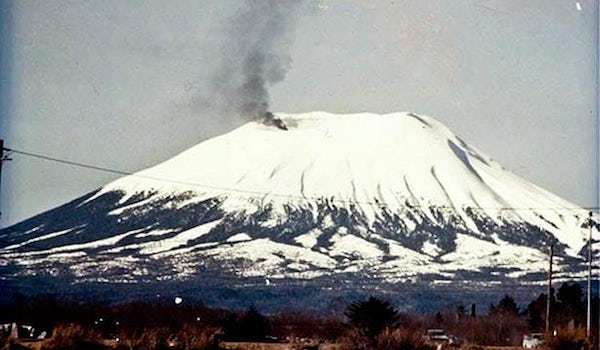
(1, 161)
(3, 158)
(589, 281)
(548, 297)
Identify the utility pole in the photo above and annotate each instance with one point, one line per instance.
(3, 158)
(592, 225)
(1, 161)
(589, 286)
(548, 298)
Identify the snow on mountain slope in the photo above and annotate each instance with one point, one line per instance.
(397, 196)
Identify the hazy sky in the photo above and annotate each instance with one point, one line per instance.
(112, 82)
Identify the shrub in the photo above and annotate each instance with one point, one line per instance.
(568, 339)
(499, 329)
(189, 337)
(3, 341)
(192, 337)
(402, 339)
(156, 338)
(388, 339)
(371, 316)
(293, 325)
(355, 340)
(249, 326)
(73, 337)
(9, 344)
(473, 347)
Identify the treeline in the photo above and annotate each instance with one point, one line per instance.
(367, 324)
(505, 322)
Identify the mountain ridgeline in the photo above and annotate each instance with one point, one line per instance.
(391, 198)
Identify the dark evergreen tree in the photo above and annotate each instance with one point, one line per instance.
(506, 305)
(460, 312)
(371, 316)
(571, 303)
(250, 326)
(439, 319)
(536, 313)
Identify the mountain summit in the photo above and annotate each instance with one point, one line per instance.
(396, 197)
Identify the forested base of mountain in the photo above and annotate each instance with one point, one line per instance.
(323, 296)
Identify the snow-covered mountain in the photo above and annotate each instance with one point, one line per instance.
(396, 197)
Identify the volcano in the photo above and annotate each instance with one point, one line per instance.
(392, 198)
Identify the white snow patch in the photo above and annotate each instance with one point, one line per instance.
(42, 238)
(345, 245)
(240, 237)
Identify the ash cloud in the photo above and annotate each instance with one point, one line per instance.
(255, 55)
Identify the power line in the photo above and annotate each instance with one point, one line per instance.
(252, 192)
(68, 162)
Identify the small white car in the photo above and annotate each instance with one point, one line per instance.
(437, 336)
(533, 340)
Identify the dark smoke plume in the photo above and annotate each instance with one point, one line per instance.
(255, 56)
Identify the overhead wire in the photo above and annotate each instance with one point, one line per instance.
(253, 192)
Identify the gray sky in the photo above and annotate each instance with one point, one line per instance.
(112, 83)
